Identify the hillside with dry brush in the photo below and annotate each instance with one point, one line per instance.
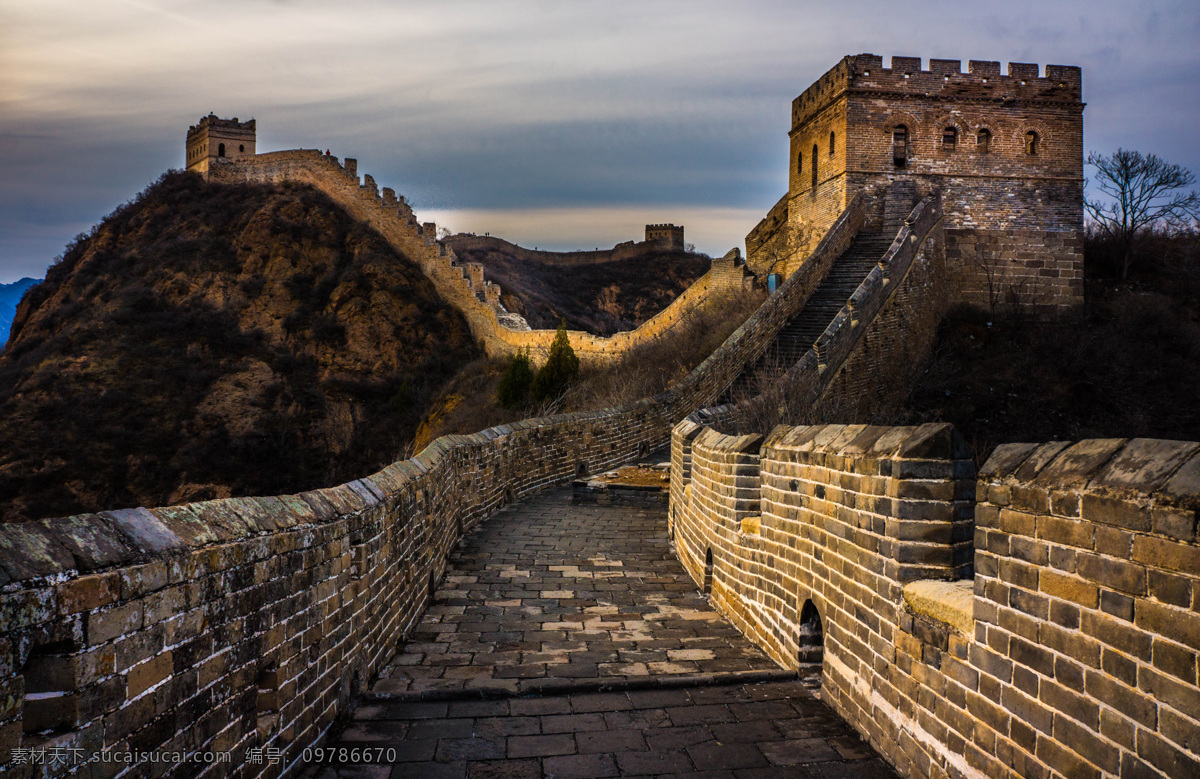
(211, 340)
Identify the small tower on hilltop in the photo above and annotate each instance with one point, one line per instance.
(213, 139)
(668, 236)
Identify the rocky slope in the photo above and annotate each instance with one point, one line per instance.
(10, 296)
(214, 340)
(601, 292)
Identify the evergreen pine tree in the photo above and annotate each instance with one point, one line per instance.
(514, 384)
(561, 368)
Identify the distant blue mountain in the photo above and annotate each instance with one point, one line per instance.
(10, 296)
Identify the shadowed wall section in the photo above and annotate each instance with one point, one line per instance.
(1056, 633)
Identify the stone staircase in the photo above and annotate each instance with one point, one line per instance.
(799, 334)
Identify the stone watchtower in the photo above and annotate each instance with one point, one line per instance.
(669, 236)
(214, 139)
(1005, 149)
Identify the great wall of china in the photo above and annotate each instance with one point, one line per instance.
(1039, 617)
(464, 285)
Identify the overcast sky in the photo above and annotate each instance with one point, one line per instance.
(556, 124)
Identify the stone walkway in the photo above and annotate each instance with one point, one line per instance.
(568, 641)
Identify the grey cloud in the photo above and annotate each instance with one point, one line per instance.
(481, 104)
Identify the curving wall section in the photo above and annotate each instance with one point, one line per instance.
(1063, 638)
(464, 285)
(249, 623)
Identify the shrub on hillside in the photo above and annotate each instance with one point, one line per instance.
(516, 381)
(561, 368)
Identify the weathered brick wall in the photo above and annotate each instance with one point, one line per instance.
(1076, 653)
(1014, 218)
(1087, 616)
(249, 622)
(463, 285)
(878, 339)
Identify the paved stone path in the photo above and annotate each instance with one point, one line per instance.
(568, 641)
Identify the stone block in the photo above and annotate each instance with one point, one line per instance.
(92, 541)
(1004, 460)
(1112, 573)
(1116, 512)
(28, 550)
(87, 593)
(103, 626)
(1143, 465)
(145, 530)
(1069, 588)
(1075, 465)
(149, 673)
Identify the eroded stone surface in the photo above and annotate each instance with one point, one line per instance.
(546, 590)
(550, 593)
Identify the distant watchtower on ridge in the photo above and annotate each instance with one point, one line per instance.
(213, 139)
(668, 235)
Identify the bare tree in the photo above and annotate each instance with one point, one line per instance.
(989, 266)
(1140, 192)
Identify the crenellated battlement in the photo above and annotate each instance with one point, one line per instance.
(1005, 146)
(463, 285)
(943, 80)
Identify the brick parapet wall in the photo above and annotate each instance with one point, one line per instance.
(463, 285)
(180, 627)
(250, 622)
(854, 363)
(1088, 604)
(1082, 660)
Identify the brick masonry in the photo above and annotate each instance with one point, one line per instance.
(1014, 209)
(1082, 660)
(251, 622)
(879, 338)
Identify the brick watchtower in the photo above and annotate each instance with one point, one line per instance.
(1006, 150)
(214, 139)
(669, 236)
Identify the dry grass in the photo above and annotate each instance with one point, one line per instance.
(653, 367)
(470, 404)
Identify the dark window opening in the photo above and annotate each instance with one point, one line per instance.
(832, 138)
(241, 147)
(799, 163)
(949, 138)
(1031, 142)
(814, 169)
(221, 150)
(708, 572)
(900, 146)
(267, 699)
(810, 642)
(983, 141)
(52, 698)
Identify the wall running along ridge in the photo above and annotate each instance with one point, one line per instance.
(1071, 652)
(879, 337)
(251, 622)
(464, 286)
